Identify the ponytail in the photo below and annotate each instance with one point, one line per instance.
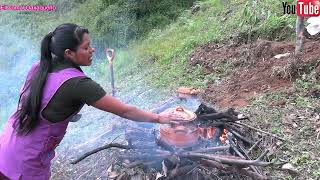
(30, 107)
(65, 36)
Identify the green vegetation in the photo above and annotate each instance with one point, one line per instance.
(154, 41)
(166, 52)
(156, 35)
(113, 22)
(296, 121)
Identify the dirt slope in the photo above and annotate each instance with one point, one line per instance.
(251, 69)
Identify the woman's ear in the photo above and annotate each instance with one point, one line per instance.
(69, 54)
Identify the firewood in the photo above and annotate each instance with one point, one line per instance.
(236, 162)
(259, 130)
(145, 156)
(237, 151)
(107, 146)
(255, 145)
(223, 167)
(181, 171)
(212, 149)
(238, 135)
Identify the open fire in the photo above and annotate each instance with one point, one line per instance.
(182, 136)
(211, 145)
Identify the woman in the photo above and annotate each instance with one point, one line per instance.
(55, 90)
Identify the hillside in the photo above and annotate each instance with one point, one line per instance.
(225, 48)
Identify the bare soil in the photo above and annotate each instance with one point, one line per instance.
(251, 69)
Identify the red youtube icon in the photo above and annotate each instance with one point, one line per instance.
(308, 8)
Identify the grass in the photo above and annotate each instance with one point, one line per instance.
(162, 57)
(296, 121)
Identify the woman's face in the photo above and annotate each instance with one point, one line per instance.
(84, 53)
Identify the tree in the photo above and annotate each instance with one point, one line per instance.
(299, 34)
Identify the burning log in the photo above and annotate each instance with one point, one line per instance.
(230, 115)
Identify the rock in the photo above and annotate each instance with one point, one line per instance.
(280, 103)
(281, 55)
(159, 175)
(164, 169)
(289, 119)
(195, 8)
(113, 175)
(290, 168)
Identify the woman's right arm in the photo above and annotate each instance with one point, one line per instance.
(115, 106)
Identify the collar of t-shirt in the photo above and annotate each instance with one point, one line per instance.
(60, 65)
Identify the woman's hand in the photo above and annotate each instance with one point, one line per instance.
(169, 118)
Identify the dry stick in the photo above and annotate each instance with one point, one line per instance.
(121, 176)
(146, 147)
(146, 156)
(181, 171)
(242, 119)
(138, 163)
(117, 137)
(223, 167)
(102, 148)
(206, 175)
(263, 154)
(251, 174)
(238, 135)
(133, 164)
(273, 135)
(248, 157)
(234, 147)
(210, 149)
(83, 174)
(237, 175)
(107, 146)
(255, 145)
(237, 162)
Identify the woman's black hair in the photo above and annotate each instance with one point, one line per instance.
(65, 36)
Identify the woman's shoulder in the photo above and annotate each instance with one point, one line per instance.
(84, 89)
(33, 69)
(34, 66)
